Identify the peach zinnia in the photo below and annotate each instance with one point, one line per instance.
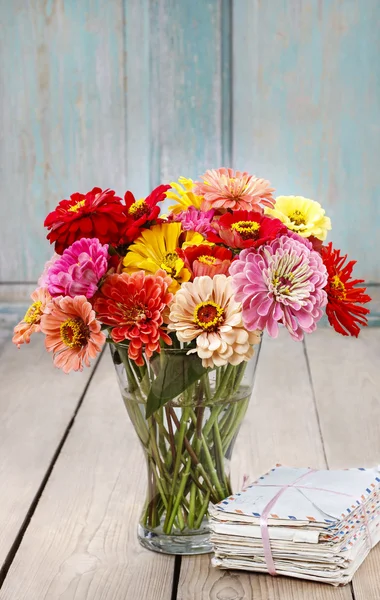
(204, 310)
(72, 332)
(236, 190)
(31, 321)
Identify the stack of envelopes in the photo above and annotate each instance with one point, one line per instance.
(317, 525)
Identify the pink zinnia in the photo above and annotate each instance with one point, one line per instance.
(72, 332)
(195, 220)
(79, 269)
(282, 282)
(237, 190)
(42, 282)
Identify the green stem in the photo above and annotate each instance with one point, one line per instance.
(177, 464)
(203, 511)
(178, 499)
(219, 457)
(211, 468)
(193, 495)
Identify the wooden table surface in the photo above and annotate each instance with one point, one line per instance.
(72, 474)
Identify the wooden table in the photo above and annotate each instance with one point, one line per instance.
(72, 474)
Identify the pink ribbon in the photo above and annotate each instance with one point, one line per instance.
(267, 510)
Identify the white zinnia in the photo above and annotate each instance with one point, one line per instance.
(205, 310)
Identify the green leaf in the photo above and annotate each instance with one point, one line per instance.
(175, 373)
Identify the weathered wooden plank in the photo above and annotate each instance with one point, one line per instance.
(306, 109)
(62, 117)
(280, 427)
(186, 88)
(16, 293)
(138, 99)
(37, 403)
(84, 527)
(346, 379)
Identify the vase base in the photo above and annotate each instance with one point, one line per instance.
(197, 543)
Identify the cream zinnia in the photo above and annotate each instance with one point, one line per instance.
(281, 283)
(204, 310)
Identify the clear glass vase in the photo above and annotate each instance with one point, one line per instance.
(187, 442)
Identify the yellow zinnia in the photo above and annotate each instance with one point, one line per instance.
(302, 215)
(184, 195)
(156, 248)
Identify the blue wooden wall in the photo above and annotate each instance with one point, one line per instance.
(136, 92)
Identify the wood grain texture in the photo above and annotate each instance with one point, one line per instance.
(35, 412)
(280, 426)
(346, 379)
(16, 293)
(85, 525)
(306, 109)
(186, 88)
(62, 117)
(137, 95)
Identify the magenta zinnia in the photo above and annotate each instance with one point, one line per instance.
(78, 271)
(281, 283)
(194, 220)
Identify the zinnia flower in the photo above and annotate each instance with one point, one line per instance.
(245, 229)
(344, 299)
(237, 190)
(157, 248)
(205, 310)
(305, 217)
(42, 281)
(98, 214)
(133, 306)
(207, 260)
(72, 332)
(78, 271)
(184, 195)
(194, 220)
(140, 212)
(31, 322)
(280, 283)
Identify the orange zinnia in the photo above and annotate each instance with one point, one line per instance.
(72, 332)
(31, 321)
(133, 305)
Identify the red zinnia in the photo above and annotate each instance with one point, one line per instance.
(246, 229)
(207, 260)
(97, 214)
(133, 305)
(344, 299)
(140, 212)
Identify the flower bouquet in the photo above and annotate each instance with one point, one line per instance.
(182, 300)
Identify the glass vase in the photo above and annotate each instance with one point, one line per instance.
(187, 441)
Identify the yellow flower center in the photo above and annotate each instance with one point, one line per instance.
(208, 315)
(34, 312)
(248, 230)
(74, 333)
(172, 264)
(283, 283)
(138, 209)
(298, 218)
(206, 259)
(77, 206)
(339, 289)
